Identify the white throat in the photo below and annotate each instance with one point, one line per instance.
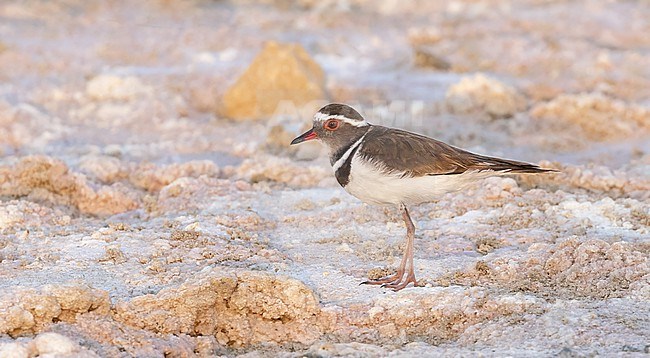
(347, 153)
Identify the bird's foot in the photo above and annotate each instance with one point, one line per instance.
(384, 280)
(401, 283)
(395, 282)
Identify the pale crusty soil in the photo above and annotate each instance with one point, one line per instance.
(137, 221)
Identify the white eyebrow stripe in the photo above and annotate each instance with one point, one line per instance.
(345, 155)
(323, 117)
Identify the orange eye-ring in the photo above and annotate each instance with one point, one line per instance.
(332, 125)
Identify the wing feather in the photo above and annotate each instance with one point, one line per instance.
(411, 155)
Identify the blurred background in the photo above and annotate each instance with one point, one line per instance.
(167, 80)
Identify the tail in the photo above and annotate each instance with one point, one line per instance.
(484, 163)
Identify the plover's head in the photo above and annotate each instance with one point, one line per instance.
(336, 125)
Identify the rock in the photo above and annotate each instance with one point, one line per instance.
(480, 93)
(597, 116)
(13, 350)
(281, 170)
(21, 214)
(112, 87)
(567, 352)
(425, 36)
(107, 169)
(615, 183)
(42, 178)
(427, 59)
(281, 72)
(592, 268)
(153, 178)
(352, 349)
(242, 309)
(53, 343)
(24, 310)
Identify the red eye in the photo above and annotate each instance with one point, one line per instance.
(332, 124)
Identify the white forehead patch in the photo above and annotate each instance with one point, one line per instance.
(322, 117)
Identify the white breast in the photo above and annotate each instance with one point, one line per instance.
(369, 184)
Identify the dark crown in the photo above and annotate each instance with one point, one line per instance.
(341, 110)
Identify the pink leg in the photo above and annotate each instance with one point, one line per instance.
(398, 281)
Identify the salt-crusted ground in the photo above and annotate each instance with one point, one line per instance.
(136, 220)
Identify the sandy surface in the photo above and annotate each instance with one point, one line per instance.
(137, 221)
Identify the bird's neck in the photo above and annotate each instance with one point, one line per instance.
(336, 153)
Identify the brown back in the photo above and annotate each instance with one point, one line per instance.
(416, 155)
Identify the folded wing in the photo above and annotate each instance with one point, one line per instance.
(412, 155)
